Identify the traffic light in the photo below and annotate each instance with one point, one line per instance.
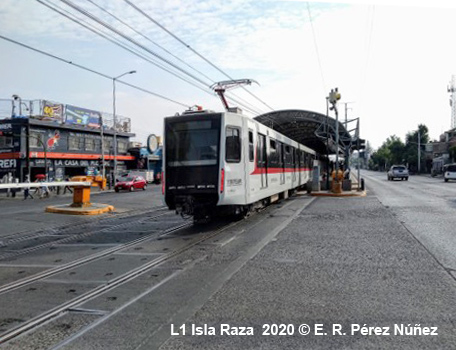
(361, 144)
(334, 96)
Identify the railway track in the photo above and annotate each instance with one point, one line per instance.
(39, 320)
(61, 231)
(100, 221)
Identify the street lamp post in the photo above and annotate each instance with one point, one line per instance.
(114, 116)
(419, 152)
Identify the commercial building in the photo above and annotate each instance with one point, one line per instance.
(442, 151)
(60, 140)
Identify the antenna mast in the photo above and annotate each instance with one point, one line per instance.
(452, 90)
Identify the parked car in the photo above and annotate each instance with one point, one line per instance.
(398, 172)
(449, 172)
(131, 183)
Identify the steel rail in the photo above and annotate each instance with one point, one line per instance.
(38, 320)
(82, 261)
(30, 234)
(67, 239)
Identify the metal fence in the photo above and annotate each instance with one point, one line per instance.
(61, 113)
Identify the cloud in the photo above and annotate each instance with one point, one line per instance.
(394, 62)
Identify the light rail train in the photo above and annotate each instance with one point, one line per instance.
(228, 163)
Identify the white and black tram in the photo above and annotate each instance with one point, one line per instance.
(226, 162)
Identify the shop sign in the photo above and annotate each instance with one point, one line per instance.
(75, 163)
(39, 162)
(7, 163)
(6, 127)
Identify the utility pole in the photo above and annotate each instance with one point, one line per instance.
(334, 96)
(359, 158)
(114, 117)
(327, 143)
(419, 151)
(346, 112)
(103, 169)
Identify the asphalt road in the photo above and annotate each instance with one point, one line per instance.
(381, 261)
(426, 206)
(18, 215)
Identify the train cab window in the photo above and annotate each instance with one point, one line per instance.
(232, 145)
(251, 149)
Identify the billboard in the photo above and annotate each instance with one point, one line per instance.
(82, 116)
(52, 111)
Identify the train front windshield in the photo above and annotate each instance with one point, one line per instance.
(192, 142)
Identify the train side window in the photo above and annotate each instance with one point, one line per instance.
(273, 160)
(232, 145)
(272, 144)
(251, 149)
(280, 154)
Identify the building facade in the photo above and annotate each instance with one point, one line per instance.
(61, 147)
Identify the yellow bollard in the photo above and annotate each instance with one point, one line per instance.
(81, 197)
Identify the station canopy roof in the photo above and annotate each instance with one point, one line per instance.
(312, 129)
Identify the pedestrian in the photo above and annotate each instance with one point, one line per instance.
(44, 191)
(27, 189)
(13, 190)
(67, 188)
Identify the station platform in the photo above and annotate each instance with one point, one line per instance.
(337, 263)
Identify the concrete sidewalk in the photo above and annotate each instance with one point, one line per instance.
(339, 262)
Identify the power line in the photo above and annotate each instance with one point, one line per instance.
(316, 49)
(370, 23)
(126, 37)
(148, 39)
(92, 71)
(115, 41)
(191, 49)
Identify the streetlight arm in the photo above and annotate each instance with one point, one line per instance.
(130, 72)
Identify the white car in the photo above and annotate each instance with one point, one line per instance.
(398, 172)
(449, 172)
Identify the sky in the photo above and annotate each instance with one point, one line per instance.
(392, 61)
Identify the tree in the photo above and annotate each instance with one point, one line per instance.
(411, 145)
(397, 148)
(452, 152)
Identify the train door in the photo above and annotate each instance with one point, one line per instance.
(281, 157)
(293, 159)
(251, 184)
(262, 157)
(299, 166)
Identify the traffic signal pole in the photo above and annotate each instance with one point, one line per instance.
(359, 158)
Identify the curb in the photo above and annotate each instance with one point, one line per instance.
(94, 209)
(343, 194)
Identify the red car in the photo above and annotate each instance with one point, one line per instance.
(131, 183)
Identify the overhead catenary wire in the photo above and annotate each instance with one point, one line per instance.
(93, 71)
(148, 39)
(112, 39)
(316, 50)
(368, 44)
(135, 42)
(115, 41)
(191, 49)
